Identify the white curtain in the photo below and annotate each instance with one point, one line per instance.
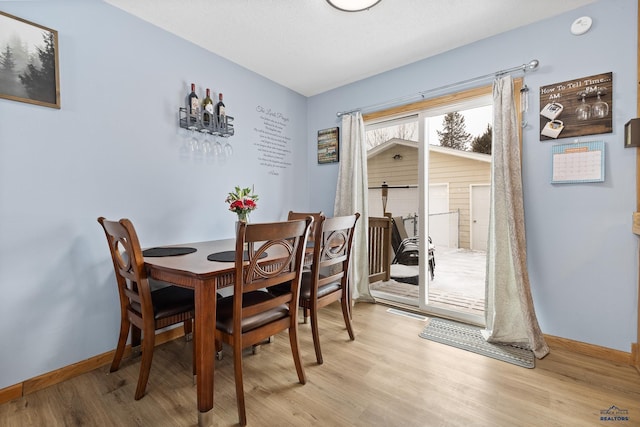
(510, 316)
(351, 197)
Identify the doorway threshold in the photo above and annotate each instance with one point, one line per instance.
(412, 310)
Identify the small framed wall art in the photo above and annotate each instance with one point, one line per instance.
(28, 62)
(329, 145)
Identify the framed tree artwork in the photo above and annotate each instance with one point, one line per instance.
(28, 62)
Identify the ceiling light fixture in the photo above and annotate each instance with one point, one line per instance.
(353, 5)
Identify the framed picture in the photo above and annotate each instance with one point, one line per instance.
(328, 145)
(28, 62)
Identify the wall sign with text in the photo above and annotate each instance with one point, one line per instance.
(577, 107)
(328, 145)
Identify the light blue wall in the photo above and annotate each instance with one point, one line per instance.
(582, 256)
(115, 149)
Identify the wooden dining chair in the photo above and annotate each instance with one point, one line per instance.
(252, 314)
(142, 311)
(328, 280)
(318, 217)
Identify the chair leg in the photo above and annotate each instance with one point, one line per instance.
(125, 326)
(316, 335)
(237, 367)
(188, 328)
(145, 365)
(218, 350)
(135, 338)
(346, 313)
(295, 351)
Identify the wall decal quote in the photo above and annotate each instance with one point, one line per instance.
(272, 141)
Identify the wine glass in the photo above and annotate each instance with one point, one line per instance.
(583, 112)
(194, 142)
(228, 149)
(207, 146)
(217, 147)
(185, 148)
(600, 108)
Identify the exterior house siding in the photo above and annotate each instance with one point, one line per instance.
(445, 167)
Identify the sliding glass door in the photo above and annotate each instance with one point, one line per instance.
(435, 167)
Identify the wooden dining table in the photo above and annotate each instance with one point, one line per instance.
(205, 277)
(196, 272)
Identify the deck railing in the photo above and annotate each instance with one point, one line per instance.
(379, 249)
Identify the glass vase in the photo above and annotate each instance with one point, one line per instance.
(243, 217)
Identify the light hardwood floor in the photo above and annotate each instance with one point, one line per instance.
(388, 376)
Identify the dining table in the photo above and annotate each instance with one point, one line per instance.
(209, 268)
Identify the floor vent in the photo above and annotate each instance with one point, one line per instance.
(407, 314)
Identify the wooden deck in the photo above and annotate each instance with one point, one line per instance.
(450, 300)
(458, 283)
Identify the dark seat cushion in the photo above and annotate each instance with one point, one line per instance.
(305, 287)
(224, 312)
(169, 301)
(281, 289)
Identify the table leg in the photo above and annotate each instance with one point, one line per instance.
(205, 418)
(205, 300)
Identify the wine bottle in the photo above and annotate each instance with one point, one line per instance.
(193, 104)
(207, 109)
(220, 112)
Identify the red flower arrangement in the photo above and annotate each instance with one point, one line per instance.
(242, 202)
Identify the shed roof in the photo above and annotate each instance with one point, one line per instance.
(394, 142)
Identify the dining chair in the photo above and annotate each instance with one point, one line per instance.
(252, 314)
(142, 310)
(318, 218)
(328, 280)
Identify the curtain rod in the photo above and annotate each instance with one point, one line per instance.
(530, 66)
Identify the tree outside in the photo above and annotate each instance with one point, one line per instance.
(447, 130)
(454, 133)
(482, 143)
(406, 131)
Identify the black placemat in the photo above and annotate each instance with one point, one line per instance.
(159, 252)
(229, 256)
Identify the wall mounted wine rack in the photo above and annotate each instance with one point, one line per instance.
(215, 126)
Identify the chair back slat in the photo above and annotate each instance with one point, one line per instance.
(317, 223)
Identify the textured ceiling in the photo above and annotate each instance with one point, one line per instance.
(310, 47)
